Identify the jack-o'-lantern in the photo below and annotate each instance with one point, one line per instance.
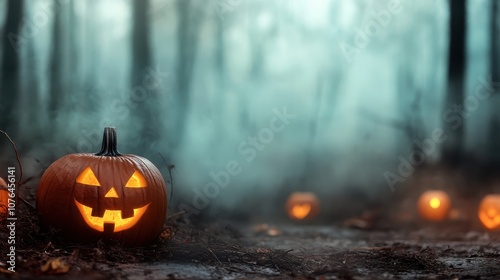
(103, 196)
(489, 211)
(302, 205)
(434, 205)
(4, 198)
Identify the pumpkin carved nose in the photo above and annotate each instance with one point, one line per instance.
(111, 193)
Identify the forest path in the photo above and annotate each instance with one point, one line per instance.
(330, 252)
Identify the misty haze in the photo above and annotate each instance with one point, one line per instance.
(252, 100)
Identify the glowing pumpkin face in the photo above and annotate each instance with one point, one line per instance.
(103, 196)
(302, 205)
(115, 219)
(489, 211)
(434, 205)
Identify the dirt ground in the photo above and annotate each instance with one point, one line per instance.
(235, 251)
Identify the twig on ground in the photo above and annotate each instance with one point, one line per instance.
(169, 167)
(18, 162)
(214, 256)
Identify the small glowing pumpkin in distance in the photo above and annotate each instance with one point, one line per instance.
(4, 198)
(489, 211)
(434, 205)
(103, 196)
(302, 205)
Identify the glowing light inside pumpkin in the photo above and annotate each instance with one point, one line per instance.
(111, 193)
(110, 217)
(87, 177)
(434, 205)
(113, 217)
(300, 211)
(492, 212)
(490, 219)
(136, 181)
(302, 205)
(489, 211)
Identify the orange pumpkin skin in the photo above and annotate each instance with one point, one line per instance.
(489, 211)
(302, 206)
(4, 198)
(122, 197)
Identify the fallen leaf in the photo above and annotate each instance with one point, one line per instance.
(6, 271)
(365, 221)
(55, 266)
(263, 250)
(274, 231)
(358, 223)
(260, 228)
(168, 233)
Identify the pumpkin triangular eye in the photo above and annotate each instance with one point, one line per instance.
(87, 177)
(136, 181)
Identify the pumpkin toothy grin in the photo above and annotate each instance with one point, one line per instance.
(113, 217)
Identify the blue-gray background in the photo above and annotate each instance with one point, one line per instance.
(222, 67)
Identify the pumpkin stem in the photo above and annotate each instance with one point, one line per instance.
(109, 143)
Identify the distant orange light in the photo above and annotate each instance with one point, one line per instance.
(302, 205)
(434, 202)
(434, 205)
(300, 211)
(489, 211)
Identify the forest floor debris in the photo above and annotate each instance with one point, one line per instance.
(207, 252)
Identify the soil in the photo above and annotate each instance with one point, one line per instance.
(389, 244)
(235, 251)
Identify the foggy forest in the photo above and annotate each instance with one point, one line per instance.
(347, 99)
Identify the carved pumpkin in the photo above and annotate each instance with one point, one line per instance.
(103, 196)
(4, 198)
(302, 205)
(489, 211)
(434, 205)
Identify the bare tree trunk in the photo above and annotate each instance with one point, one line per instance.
(219, 103)
(187, 45)
(494, 125)
(74, 82)
(258, 40)
(146, 108)
(10, 72)
(87, 81)
(454, 128)
(32, 100)
(312, 163)
(56, 100)
(141, 56)
(409, 103)
(55, 67)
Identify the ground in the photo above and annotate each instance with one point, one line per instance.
(231, 250)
